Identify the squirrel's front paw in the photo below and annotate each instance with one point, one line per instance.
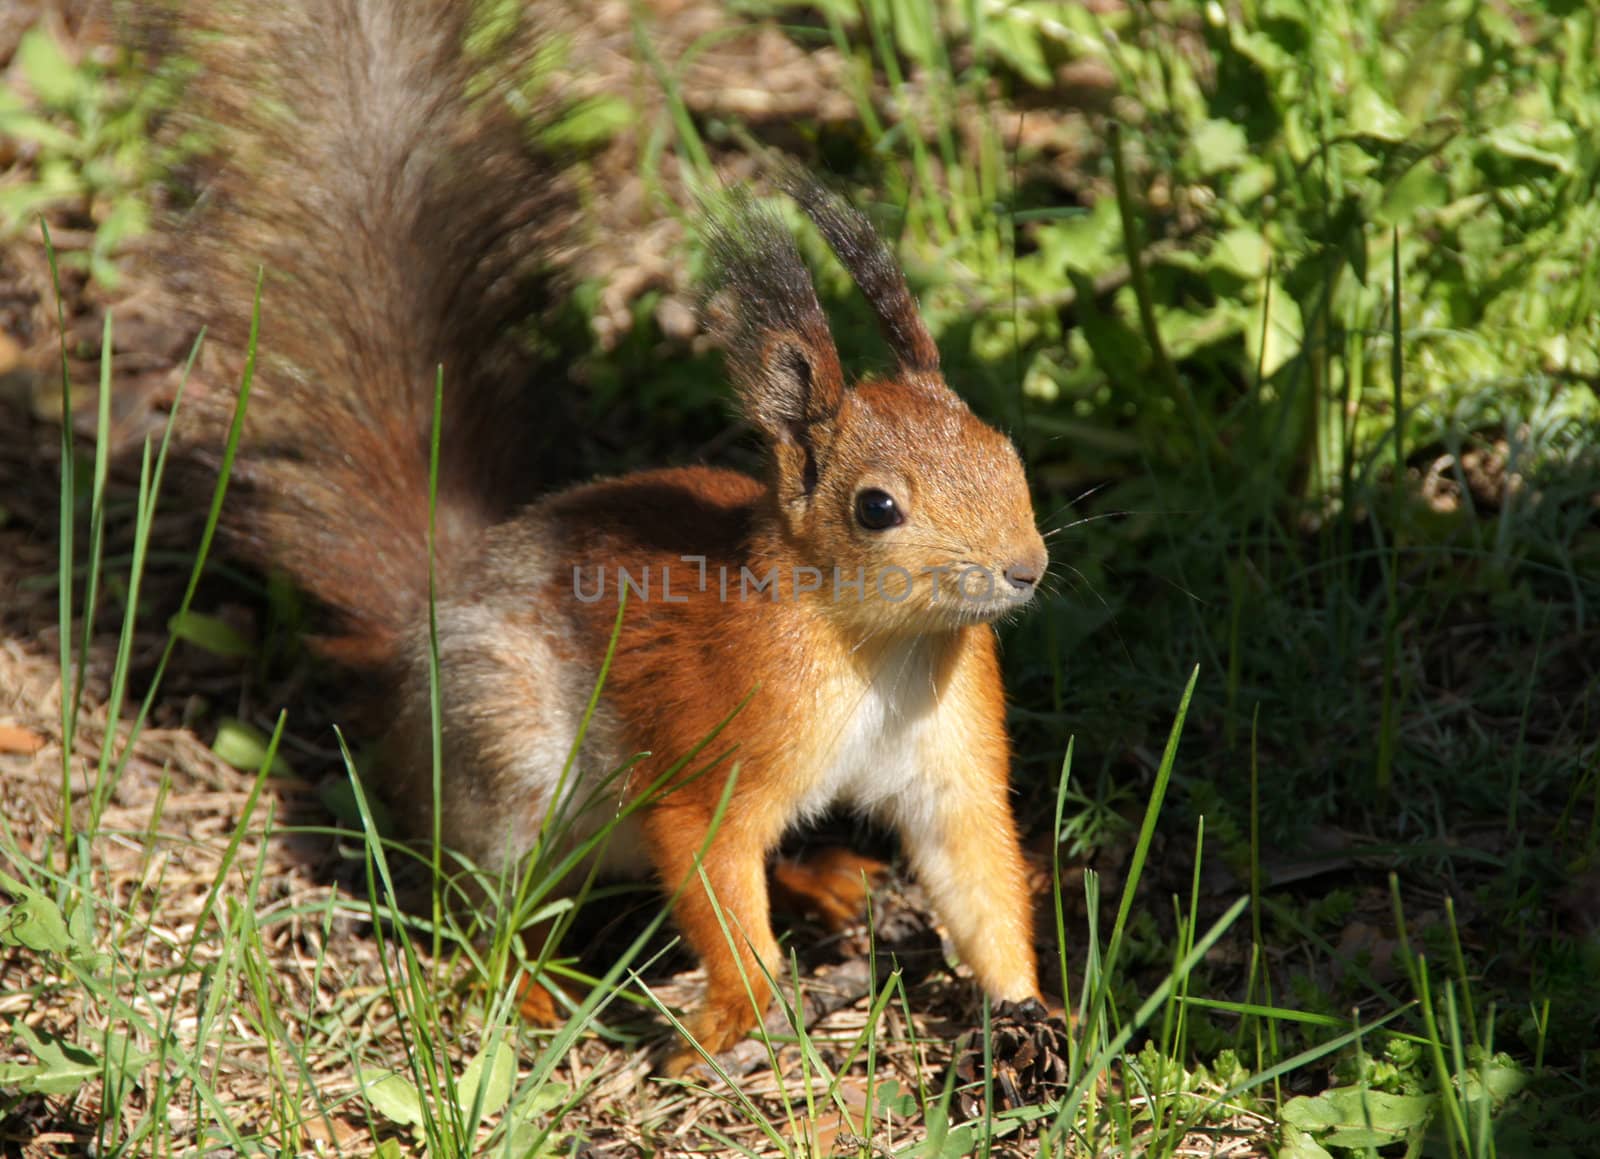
(716, 1027)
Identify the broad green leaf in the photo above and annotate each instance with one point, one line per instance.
(1016, 42)
(1090, 242)
(24, 126)
(495, 1070)
(1293, 12)
(589, 123)
(36, 923)
(1184, 332)
(245, 747)
(1299, 1145)
(53, 77)
(208, 632)
(1420, 188)
(1219, 146)
(1371, 115)
(541, 1100)
(1241, 251)
(1358, 1117)
(524, 1141)
(393, 1097)
(1260, 48)
(62, 1067)
(957, 1143)
(80, 928)
(1283, 336)
(890, 1098)
(1515, 146)
(1252, 181)
(1499, 1077)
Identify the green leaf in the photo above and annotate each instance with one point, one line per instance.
(245, 747)
(1219, 146)
(1183, 332)
(589, 123)
(62, 1067)
(1242, 252)
(34, 130)
(393, 1097)
(541, 1100)
(1515, 146)
(1089, 242)
(389, 1149)
(208, 632)
(495, 1070)
(1371, 115)
(1260, 48)
(53, 77)
(1016, 43)
(527, 1136)
(127, 220)
(955, 1143)
(1227, 1071)
(891, 1099)
(35, 923)
(959, 1143)
(1420, 188)
(1282, 338)
(912, 22)
(1499, 1077)
(1299, 1145)
(530, 1141)
(80, 928)
(1359, 1117)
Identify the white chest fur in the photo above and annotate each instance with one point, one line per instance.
(873, 733)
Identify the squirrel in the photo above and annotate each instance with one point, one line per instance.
(834, 619)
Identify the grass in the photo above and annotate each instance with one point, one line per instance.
(1302, 356)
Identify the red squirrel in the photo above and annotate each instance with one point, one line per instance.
(389, 192)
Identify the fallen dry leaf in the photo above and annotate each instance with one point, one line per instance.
(16, 739)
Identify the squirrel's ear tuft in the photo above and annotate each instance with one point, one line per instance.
(763, 308)
(861, 251)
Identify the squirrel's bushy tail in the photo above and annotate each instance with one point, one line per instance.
(369, 160)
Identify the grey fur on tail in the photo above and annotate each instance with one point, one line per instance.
(370, 162)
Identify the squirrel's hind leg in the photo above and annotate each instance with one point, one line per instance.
(831, 884)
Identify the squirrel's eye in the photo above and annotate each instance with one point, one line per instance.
(877, 511)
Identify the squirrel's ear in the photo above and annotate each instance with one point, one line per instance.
(794, 387)
(764, 309)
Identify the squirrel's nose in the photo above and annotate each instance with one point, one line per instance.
(1025, 572)
(1022, 576)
